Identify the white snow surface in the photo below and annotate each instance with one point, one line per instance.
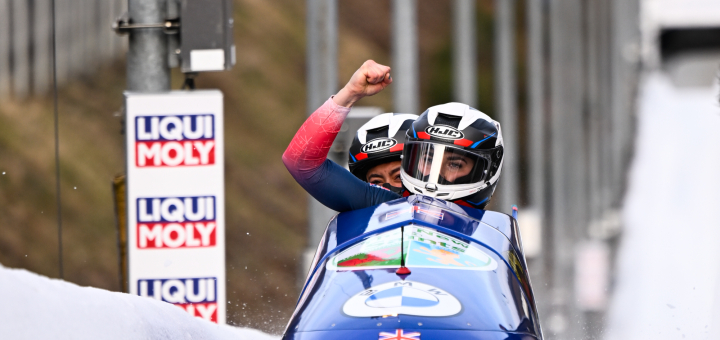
(668, 281)
(37, 307)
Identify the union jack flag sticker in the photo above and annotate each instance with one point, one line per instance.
(399, 335)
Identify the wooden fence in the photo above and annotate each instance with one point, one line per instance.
(84, 41)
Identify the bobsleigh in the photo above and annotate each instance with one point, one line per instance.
(466, 276)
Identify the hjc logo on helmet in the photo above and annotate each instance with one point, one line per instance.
(444, 132)
(378, 144)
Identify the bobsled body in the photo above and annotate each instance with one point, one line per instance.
(468, 276)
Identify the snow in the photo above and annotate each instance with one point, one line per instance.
(668, 276)
(37, 307)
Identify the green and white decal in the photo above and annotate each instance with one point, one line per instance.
(423, 248)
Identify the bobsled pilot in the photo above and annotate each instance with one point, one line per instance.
(452, 151)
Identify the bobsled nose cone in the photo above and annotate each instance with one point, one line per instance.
(403, 271)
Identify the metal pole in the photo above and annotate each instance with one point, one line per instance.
(4, 48)
(147, 69)
(464, 52)
(41, 46)
(624, 76)
(605, 104)
(505, 98)
(536, 142)
(536, 103)
(406, 87)
(321, 84)
(567, 162)
(20, 50)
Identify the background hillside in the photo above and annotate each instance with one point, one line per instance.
(264, 105)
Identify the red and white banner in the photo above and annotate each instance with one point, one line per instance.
(176, 199)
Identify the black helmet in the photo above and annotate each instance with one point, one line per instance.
(378, 141)
(453, 151)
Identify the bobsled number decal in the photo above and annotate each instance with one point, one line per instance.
(424, 248)
(402, 297)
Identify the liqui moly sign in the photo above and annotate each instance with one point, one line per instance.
(176, 222)
(176, 200)
(182, 140)
(197, 296)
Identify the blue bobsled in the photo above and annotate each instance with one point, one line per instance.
(468, 277)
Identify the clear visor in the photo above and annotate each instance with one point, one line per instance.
(443, 164)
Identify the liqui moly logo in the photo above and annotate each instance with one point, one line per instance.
(176, 222)
(183, 140)
(197, 296)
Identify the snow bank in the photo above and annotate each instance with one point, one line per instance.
(36, 307)
(668, 281)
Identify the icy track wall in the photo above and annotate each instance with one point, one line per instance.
(36, 307)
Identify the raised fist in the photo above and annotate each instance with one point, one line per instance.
(368, 80)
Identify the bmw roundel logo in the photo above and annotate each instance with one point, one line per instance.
(402, 297)
(444, 132)
(378, 144)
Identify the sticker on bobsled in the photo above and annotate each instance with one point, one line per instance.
(424, 248)
(399, 335)
(402, 297)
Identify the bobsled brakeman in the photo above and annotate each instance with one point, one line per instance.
(417, 268)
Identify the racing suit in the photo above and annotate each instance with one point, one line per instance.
(332, 185)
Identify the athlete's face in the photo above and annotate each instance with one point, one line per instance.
(454, 165)
(385, 173)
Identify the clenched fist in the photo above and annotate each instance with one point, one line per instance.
(368, 80)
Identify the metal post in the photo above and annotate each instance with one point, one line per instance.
(536, 142)
(321, 52)
(41, 46)
(4, 48)
(63, 36)
(20, 48)
(406, 87)
(626, 52)
(321, 84)
(605, 105)
(567, 162)
(505, 98)
(464, 52)
(536, 102)
(147, 69)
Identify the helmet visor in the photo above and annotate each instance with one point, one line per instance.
(443, 164)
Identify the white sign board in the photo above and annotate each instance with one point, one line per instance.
(176, 199)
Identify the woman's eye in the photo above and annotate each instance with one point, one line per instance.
(379, 183)
(455, 165)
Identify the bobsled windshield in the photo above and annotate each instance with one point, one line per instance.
(422, 248)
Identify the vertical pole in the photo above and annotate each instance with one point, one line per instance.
(76, 37)
(536, 102)
(567, 162)
(321, 84)
(4, 48)
(536, 142)
(605, 108)
(147, 69)
(62, 37)
(505, 97)
(592, 52)
(405, 68)
(41, 47)
(464, 52)
(20, 48)
(624, 72)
